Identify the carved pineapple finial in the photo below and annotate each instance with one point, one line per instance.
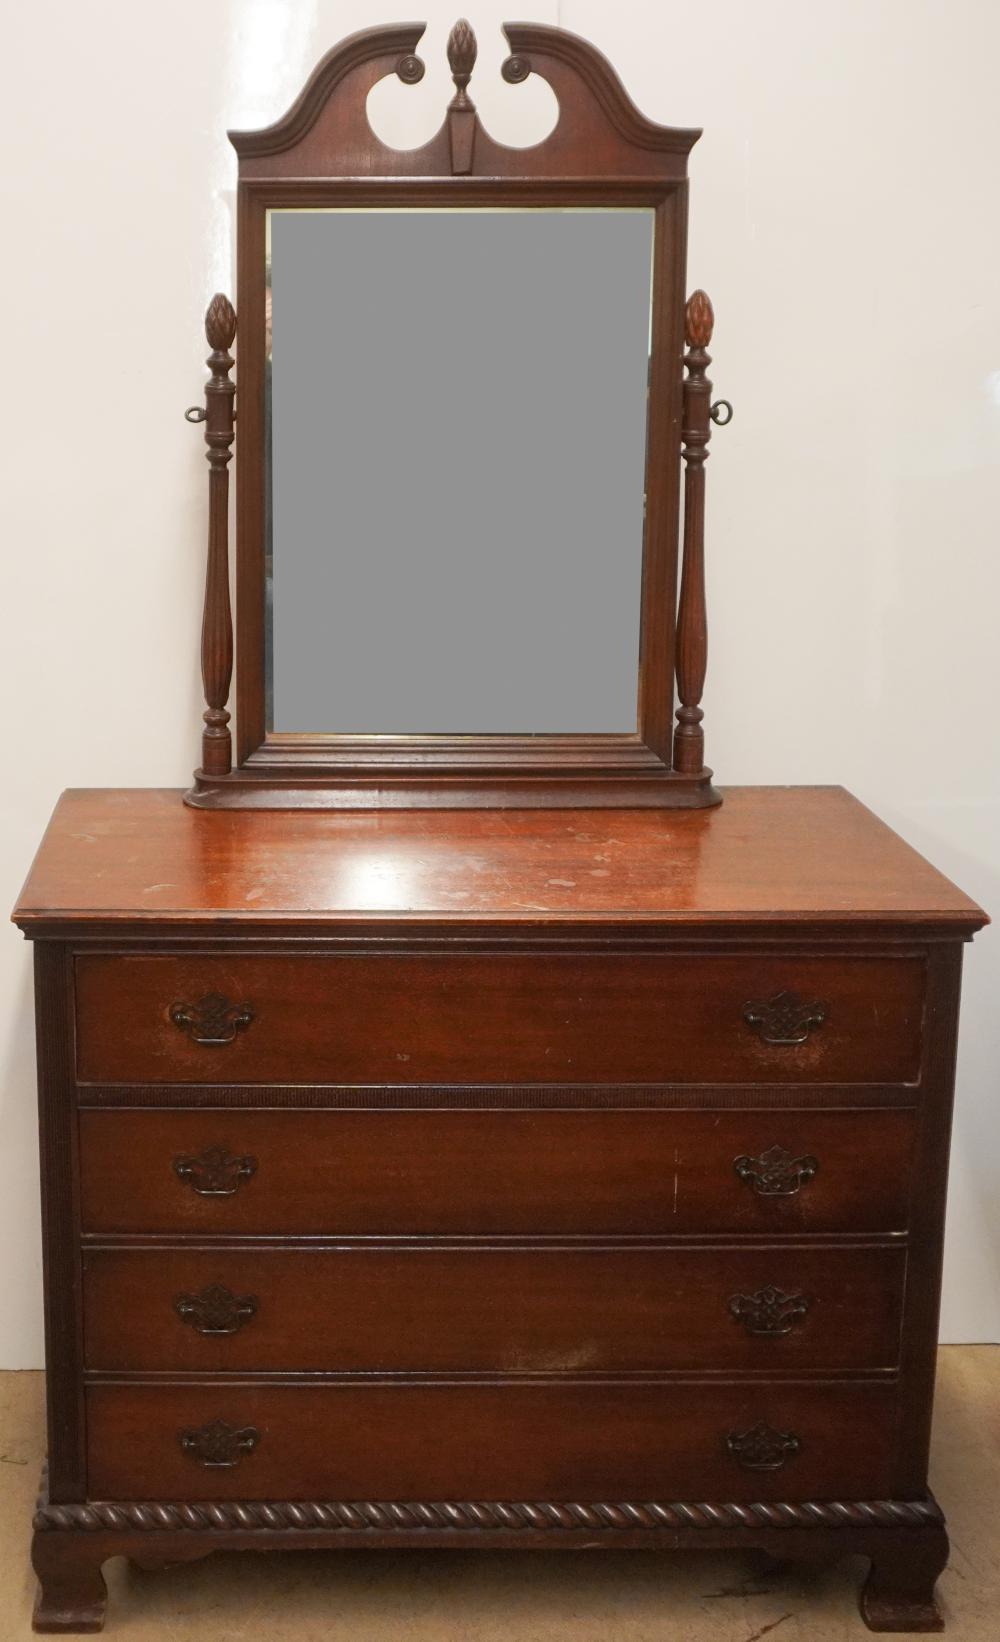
(699, 321)
(462, 116)
(220, 323)
(462, 49)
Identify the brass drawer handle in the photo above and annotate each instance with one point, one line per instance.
(762, 1448)
(776, 1173)
(213, 1020)
(770, 1311)
(214, 1172)
(784, 1020)
(219, 1446)
(216, 1310)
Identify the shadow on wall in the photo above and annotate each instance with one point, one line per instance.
(21, 1344)
(944, 830)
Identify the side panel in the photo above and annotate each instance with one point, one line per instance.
(60, 1221)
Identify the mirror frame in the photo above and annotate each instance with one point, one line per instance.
(601, 152)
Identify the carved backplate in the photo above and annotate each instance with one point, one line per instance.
(215, 1172)
(762, 1448)
(216, 1309)
(219, 1446)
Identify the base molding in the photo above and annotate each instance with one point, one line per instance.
(905, 1540)
(542, 1516)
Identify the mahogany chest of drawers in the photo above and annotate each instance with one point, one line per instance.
(514, 1179)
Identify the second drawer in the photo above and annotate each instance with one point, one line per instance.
(529, 1172)
(509, 1310)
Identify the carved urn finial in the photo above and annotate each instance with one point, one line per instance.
(462, 49)
(699, 320)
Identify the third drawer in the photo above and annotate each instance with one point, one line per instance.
(506, 1310)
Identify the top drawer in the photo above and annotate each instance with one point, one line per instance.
(535, 1018)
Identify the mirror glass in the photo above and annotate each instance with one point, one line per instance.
(456, 437)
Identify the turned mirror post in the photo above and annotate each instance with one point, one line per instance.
(692, 618)
(603, 163)
(217, 620)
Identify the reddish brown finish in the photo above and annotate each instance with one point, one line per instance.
(510, 1440)
(496, 1019)
(468, 942)
(217, 623)
(562, 1205)
(496, 1173)
(462, 117)
(60, 1183)
(549, 1310)
(692, 619)
(904, 1540)
(807, 859)
(602, 151)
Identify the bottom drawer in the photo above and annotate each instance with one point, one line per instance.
(438, 1441)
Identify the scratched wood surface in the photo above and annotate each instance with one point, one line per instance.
(806, 854)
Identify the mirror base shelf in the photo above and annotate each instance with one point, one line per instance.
(241, 789)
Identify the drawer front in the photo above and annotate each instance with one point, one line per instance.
(511, 1310)
(528, 1441)
(467, 1173)
(545, 1018)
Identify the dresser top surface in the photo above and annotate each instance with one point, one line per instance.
(767, 855)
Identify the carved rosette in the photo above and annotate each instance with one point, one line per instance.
(410, 69)
(219, 1446)
(213, 1020)
(215, 1172)
(216, 1310)
(515, 68)
(762, 1448)
(776, 1173)
(784, 1020)
(769, 1311)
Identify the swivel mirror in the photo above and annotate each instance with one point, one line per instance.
(461, 407)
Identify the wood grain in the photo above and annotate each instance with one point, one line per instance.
(455, 1440)
(496, 1173)
(512, 1310)
(601, 152)
(808, 858)
(496, 1019)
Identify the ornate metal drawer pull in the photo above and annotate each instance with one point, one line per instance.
(219, 1446)
(213, 1020)
(769, 1311)
(776, 1173)
(214, 1172)
(784, 1020)
(762, 1448)
(216, 1310)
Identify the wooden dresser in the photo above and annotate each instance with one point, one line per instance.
(499, 1178)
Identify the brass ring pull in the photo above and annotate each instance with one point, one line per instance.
(716, 413)
(195, 413)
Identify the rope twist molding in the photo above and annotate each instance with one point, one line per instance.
(478, 1516)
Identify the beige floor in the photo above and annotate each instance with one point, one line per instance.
(524, 1597)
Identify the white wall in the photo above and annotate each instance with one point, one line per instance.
(844, 221)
